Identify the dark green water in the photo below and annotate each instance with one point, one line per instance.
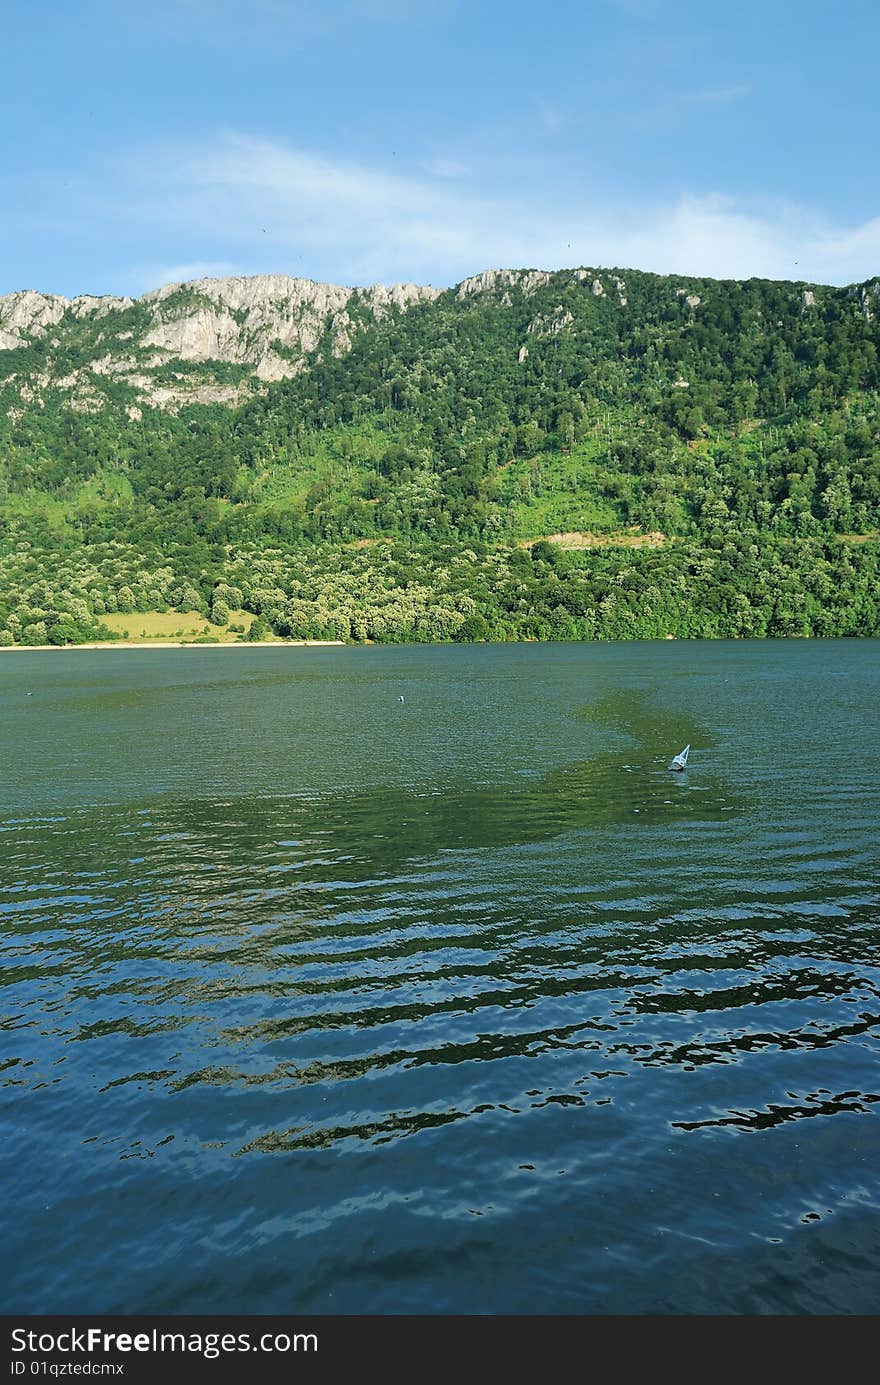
(317, 1001)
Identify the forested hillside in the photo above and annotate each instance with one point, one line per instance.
(582, 454)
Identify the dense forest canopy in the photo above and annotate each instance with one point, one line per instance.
(582, 454)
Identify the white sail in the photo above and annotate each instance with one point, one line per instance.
(680, 761)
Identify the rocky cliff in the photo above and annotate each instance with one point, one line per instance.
(260, 329)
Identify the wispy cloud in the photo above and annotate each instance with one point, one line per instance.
(551, 117)
(675, 110)
(715, 96)
(151, 276)
(257, 206)
(441, 167)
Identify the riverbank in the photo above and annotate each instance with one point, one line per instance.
(167, 644)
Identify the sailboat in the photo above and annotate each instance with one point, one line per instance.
(680, 761)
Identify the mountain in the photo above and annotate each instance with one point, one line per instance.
(666, 454)
(267, 326)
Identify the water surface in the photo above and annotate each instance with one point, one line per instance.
(319, 1001)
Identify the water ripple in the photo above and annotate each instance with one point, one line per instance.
(629, 1024)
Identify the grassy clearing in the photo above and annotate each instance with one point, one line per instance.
(173, 625)
(557, 491)
(337, 455)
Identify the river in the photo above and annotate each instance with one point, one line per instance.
(410, 980)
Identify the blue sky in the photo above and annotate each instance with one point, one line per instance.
(365, 140)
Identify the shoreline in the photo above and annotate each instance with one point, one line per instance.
(169, 644)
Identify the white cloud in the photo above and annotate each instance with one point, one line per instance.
(268, 207)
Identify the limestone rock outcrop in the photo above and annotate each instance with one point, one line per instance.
(266, 323)
(28, 314)
(527, 280)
